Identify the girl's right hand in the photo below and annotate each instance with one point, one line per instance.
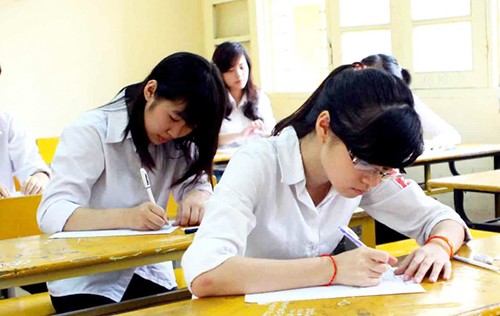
(362, 266)
(147, 216)
(4, 192)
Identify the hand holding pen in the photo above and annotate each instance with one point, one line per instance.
(362, 266)
(148, 215)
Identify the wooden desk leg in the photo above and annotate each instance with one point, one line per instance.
(496, 165)
(427, 177)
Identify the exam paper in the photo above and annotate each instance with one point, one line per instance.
(390, 284)
(167, 229)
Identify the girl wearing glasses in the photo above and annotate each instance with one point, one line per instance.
(272, 223)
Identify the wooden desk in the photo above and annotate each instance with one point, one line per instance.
(37, 259)
(459, 152)
(224, 155)
(484, 182)
(471, 290)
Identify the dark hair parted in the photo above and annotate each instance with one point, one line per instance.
(225, 57)
(387, 63)
(190, 79)
(371, 111)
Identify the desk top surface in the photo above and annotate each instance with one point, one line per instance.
(470, 289)
(35, 255)
(488, 181)
(464, 151)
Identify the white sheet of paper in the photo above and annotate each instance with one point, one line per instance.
(114, 232)
(391, 284)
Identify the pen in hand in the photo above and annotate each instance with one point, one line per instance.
(351, 235)
(147, 185)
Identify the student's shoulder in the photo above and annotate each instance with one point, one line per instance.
(95, 120)
(260, 151)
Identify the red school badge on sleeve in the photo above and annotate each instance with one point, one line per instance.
(399, 179)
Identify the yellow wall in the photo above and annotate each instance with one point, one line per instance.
(60, 58)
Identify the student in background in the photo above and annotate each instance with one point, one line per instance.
(19, 157)
(437, 133)
(168, 124)
(278, 206)
(250, 114)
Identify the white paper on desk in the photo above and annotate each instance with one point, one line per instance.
(391, 284)
(114, 232)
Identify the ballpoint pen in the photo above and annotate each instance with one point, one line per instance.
(476, 263)
(349, 234)
(147, 185)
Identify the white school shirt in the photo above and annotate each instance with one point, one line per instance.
(95, 167)
(437, 132)
(238, 121)
(19, 154)
(261, 209)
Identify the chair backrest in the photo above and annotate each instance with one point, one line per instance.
(172, 204)
(18, 216)
(47, 148)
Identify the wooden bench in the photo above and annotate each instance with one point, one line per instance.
(41, 305)
(483, 182)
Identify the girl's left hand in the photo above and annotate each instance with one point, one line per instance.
(431, 257)
(35, 184)
(192, 208)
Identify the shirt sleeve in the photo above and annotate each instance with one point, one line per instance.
(78, 163)
(229, 217)
(403, 206)
(437, 132)
(23, 152)
(266, 112)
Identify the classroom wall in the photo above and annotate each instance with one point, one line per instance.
(60, 58)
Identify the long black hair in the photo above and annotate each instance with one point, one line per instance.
(371, 111)
(225, 57)
(190, 79)
(389, 64)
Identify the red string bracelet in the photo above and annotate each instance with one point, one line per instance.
(334, 268)
(445, 240)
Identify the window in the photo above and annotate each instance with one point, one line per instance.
(443, 47)
(297, 46)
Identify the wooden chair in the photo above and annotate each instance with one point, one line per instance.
(18, 216)
(47, 148)
(18, 219)
(172, 204)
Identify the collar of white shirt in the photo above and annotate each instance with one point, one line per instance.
(117, 123)
(233, 101)
(288, 146)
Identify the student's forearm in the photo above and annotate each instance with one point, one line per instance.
(242, 275)
(95, 219)
(228, 138)
(452, 230)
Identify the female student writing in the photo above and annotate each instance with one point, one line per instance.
(19, 157)
(272, 221)
(250, 114)
(168, 124)
(437, 133)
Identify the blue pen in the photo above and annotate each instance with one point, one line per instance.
(346, 231)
